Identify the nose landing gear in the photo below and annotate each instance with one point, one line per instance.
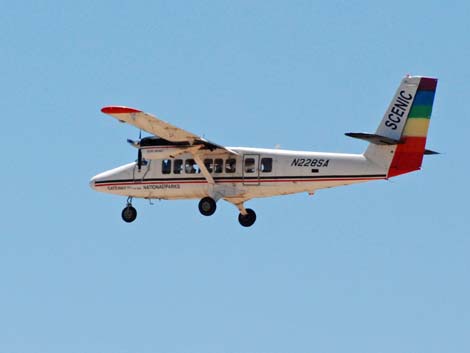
(129, 213)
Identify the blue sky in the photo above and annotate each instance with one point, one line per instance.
(377, 267)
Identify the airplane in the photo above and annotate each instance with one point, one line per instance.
(176, 164)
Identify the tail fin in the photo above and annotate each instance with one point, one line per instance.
(406, 121)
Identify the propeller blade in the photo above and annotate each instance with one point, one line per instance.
(133, 143)
(139, 159)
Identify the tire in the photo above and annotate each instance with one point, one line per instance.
(247, 220)
(207, 206)
(129, 214)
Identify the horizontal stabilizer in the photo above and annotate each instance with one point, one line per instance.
(380, 140)
(373, 138)
(428, 152)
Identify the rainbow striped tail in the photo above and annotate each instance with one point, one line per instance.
(400, 140)
(409, 153)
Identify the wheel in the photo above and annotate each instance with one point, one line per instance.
(129, 214)
(247, 220)
(207, 206)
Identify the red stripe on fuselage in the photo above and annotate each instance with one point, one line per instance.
(234, 181)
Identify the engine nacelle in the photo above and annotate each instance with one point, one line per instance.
(161, 152)
(158, 148)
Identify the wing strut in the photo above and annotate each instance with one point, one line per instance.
(203, 168)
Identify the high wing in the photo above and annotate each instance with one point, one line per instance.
(158, 127)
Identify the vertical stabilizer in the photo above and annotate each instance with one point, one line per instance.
(406, 120)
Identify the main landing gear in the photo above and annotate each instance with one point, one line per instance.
(247, 216)
(248, 219)
(207, 206)
(129, 213)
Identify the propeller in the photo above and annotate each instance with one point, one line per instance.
(136, 144)
(139, 153)
(139, 159)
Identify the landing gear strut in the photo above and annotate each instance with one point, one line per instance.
(248, 219)
(207, 206)
(129, 213)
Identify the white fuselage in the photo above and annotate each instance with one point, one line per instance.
(173, 163)
(254, 172)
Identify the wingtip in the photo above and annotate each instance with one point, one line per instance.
(119, 110)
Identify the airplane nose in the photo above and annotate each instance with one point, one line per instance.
(92, 182)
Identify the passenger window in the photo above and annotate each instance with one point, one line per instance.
(178, 166)
(230, 165)
(266, 165)
(209, 164)
(191, 167)
(249, 165)
(218, 165)
(166, 166)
